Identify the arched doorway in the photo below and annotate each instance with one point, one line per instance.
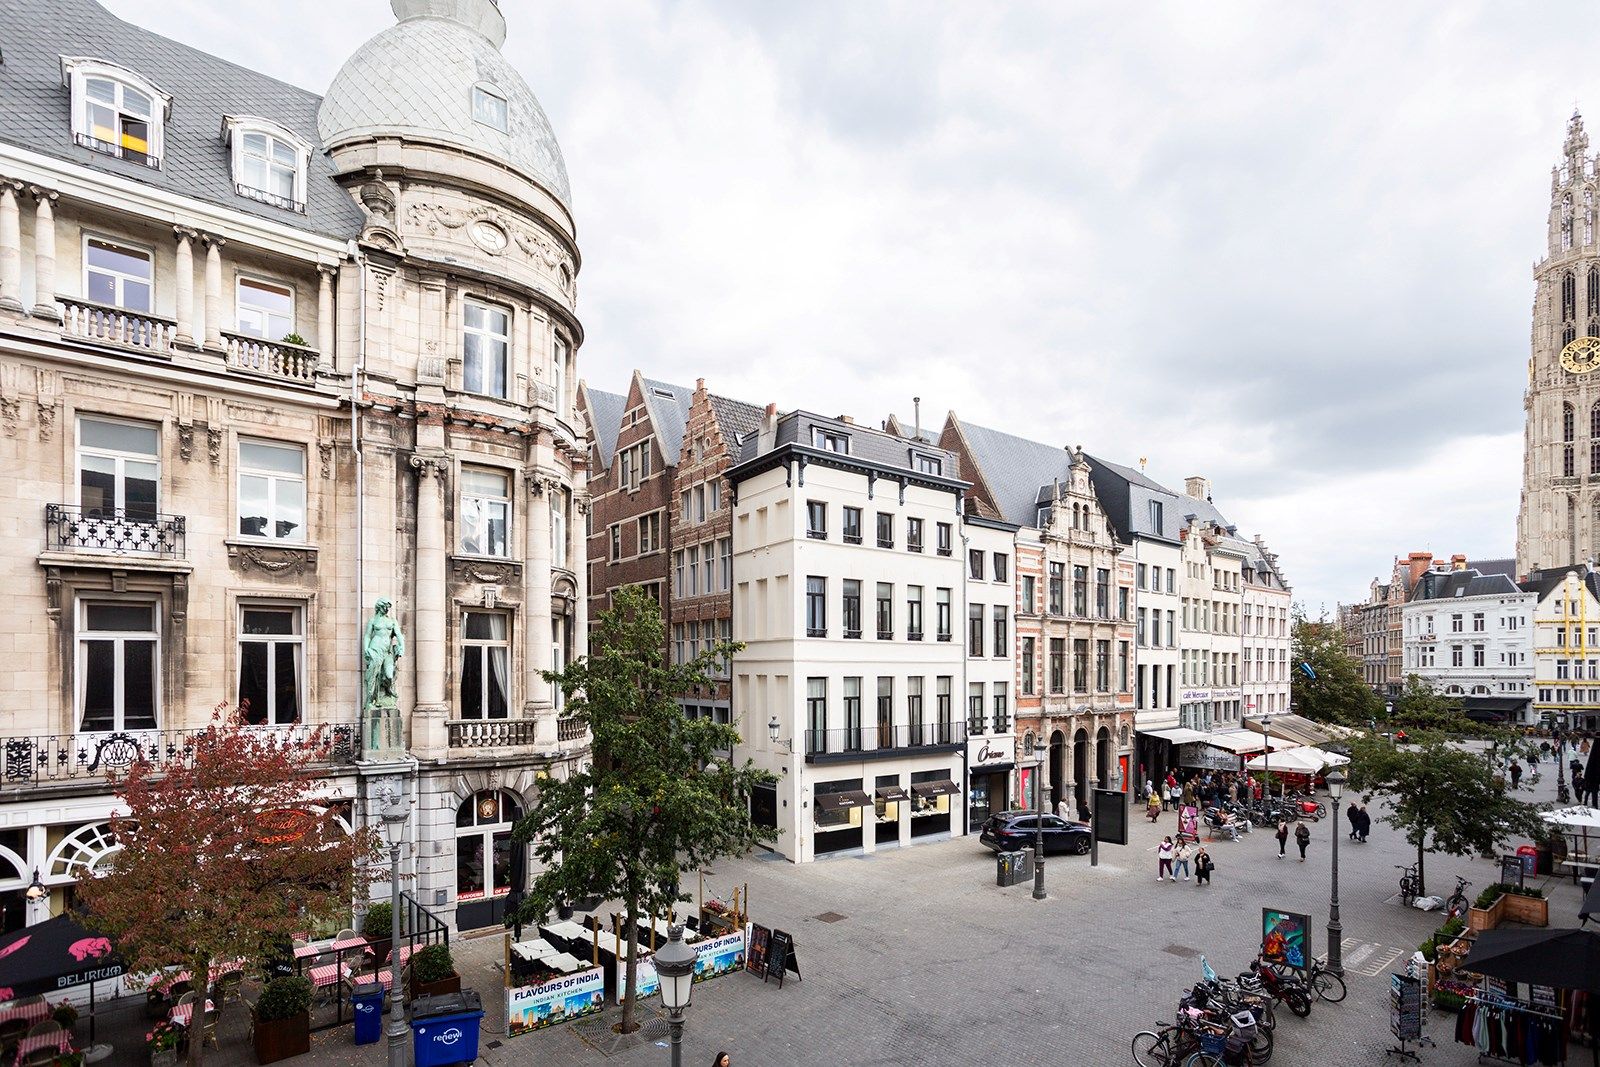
(1058, 765)
(483, 857)
(1102, 759)
(1080, 770)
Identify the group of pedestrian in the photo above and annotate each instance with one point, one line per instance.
(1209, 789)
(1360, 821)
(1173, 859)
(1302, 838)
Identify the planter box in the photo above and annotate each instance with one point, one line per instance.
(417, 989)
(281, 1038)
(1534, 911)
(1481, 919)
(164, 1057)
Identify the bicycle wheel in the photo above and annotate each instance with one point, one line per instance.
(1203, 1059)
(1299, 1002)
(1151, 1049)
(1261, 1046)
(1329, 987)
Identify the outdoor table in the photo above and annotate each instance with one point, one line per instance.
(182, 1013)
(217, 971)
(324, 976)
(61, 1041)
(533, 950)
(564, 962)
(33, 1010)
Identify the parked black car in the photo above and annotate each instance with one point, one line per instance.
(1013, 830)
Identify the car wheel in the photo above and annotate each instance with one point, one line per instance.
(1080, 845)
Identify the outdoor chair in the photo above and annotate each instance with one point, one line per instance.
(228, 987)
(344, 935)
(40, 1029)
(11, 1032)
(41, 1057)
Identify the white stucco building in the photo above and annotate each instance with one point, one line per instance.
(1566, 646)
(1264, 634)
(1469, 635)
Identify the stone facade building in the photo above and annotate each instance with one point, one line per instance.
(1265, 634)
(266, 357)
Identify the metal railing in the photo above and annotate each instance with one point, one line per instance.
(871, 741)
(261, 196)
(117, 326)
(69, 528)
(111, 148)
(490, 733)
(274, 359)
(44, 758)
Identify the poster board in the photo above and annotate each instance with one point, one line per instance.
(755, 960)
(560, 1000)
(1405, 1007)
(1111, 816)
(647, 983)
(781, 957)
(718, 956)
(1189, 822)
(1285, 937)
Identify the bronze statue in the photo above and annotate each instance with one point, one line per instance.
(381, 648)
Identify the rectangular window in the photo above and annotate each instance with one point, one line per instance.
(975, 709)
(942, 620)
(489, 108)
(885, 611)
(1172, 629)
(1455, 624)
(677, 568)
(816, 715)
(817, 519)
(852, 607)
(117, 275)
(486, 513)
(1156, 516)
(714, 495)
(975, 564)
(694, 571)
(265, 309)
(1122, 666)
(930, 465)
(727, 564)
(1080, 665)
(1139, 628)
(271, 651)
(1057, 588)
(885, 530)
(1477, 655)
(830, 441)
(916, 728)
(816, 606)
(1102, 593)
(1002, 708)
(974, 629)
(118, 120)
(119, 469)
(700, 505)
(852, 526)
(1477, 622)
(1080, 591)
(649, 532)
(683, 505)
(914, 613)
(1029, 591)
(852, 714)
(914, 535)
(708, 567)
(1027, 665)
(1122, 603)
(942, 692)
(1139, 575)
(485, 347)
(1001, 567)
(485, 666)
(1058, 668)
(1002, 631)
(616, 544)
(942, 531)
(272, 491)
(885, 712)
(1102, 666)
(117, 665)
(1172, 579)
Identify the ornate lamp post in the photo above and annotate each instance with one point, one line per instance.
(1266, 760)
(1562, 796)
(37, 895)
(1335, 779)
(396, 810)
(1388, 710)
(675, 966)
(1039, 752)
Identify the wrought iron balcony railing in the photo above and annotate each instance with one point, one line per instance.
(69, 528)
(880, 741)
(45, 758)
(490, 733)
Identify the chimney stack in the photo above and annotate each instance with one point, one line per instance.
(767, 438)
(1197, 487)
(916, 417)
(699, 385)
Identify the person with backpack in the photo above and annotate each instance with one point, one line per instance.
(1203, 867)
(1283, 837)
(1302, 837)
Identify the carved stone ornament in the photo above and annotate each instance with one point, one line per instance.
(377, 199)
(424, 466)
(186, 440)
(272, 560)
(484, 572)
(214, 444)
(488, 227)
(47, 417)
(325, 450)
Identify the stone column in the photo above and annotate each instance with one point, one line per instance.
(10, 249)
(325, 280)
(213, 332)
(536, 622)
(185, 334)
(580, 571)
(431, 707)
(44, 255)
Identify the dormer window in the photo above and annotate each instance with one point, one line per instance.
(829, 441)
(115, 111)
(489, 108)
(930, 465)
(269, 162)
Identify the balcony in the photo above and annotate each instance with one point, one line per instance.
(271, 359)
(882, 742)
(69, 528)
(135, 330)
(490, 733)
(47, 758)
(570, 728)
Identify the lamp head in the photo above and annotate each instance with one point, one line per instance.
(772, 729)
(36, 890)
(1335, 779)
(675, 967)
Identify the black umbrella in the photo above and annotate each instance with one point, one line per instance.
(1566, 959)
(1591, 902)
(55, 955)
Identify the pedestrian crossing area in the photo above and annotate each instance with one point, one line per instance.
(1370, 958)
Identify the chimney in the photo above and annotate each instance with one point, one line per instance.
(699, 385)
(768, 433)
(1417, 564)
(1197, 487)
(1458, 562)
(916, 416)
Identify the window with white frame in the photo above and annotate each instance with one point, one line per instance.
(117, 275)
(117, 655)
(116, 112)
(265, 309)
(830, 441)
(485, 512)
(560, 547)
(486, 347)
(649, 532)
(271, 663)
(272, 491)
(489, 108)
(269, 163)
(558, 659)
(485, 665)
(558, 374)
(119, 469)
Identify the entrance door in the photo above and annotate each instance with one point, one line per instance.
(483, 858)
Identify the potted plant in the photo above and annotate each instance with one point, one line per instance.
(164, 1042)
(433, 972)
(1487, 911)
(283, 1019)
(376, 927)
(65, 1014)
(1526, 905)
(67, 1059)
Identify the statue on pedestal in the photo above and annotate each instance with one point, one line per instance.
(381, 648)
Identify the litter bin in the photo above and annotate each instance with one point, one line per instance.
(444, 1028)
(1013, 868)
(1529, 854)
(366, 1004)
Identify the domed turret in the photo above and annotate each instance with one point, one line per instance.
(438, 76)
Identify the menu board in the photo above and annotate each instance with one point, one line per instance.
(1511, 871)
(755, 960)
(1405, 1007)
(781, 957)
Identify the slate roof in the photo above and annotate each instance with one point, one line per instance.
(907, 429)
(35, 108)
(668, 414)
(605, 410)
(735, 418)
(1507, 567)
(1447, 585)
(869, 446)
(1543, 581)
(1015, 469)
(1126, 493)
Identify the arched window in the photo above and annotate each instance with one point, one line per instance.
(1569, 334)
(1566, 221)
(1568, 424)
(1569, 296)
(115, 110)
(1594, 291)
(269, 162)
(483, 851)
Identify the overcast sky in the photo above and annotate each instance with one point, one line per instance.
(1287, 247)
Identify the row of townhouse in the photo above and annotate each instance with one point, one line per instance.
(266, 357)
(920, 611)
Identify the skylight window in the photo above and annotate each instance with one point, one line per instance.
(489, 108)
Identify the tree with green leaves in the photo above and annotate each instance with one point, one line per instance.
(1441, 795)
(1421, 707)
(659, 799)
(1337, 693)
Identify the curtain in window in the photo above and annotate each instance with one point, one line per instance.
(499, 669)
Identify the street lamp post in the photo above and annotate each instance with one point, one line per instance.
(1562, 796)
(675, 967)
(396, 810)
(1266, 760)
(1335, 779)
(1038, 822)
(1388, 710)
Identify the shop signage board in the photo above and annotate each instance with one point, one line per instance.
(1285, 937)
(560, 1000)
(1189, 822)
(718, 956)
(755, 960)
(1405, 1007)
(1199, 754)
(1111, 816)
(781, 957)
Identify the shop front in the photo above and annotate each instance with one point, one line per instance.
(1200, 756)
(990, 761)
(839, 816)
(890, 801)
(1159, 752)
(934, 795)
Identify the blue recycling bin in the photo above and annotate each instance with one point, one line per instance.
(444, 1028)
(366, 1004)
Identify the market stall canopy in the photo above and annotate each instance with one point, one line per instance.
(1307, 759)
(1566, 959)
(1575, 818)
(1243, 742)
(53, 955)
(1291, 727)
(850, 798)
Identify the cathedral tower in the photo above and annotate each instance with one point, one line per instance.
(1559, 520)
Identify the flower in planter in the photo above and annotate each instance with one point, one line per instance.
(164, 1036)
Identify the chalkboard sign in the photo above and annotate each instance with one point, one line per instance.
(1511, 871)
(755, 958)
(781, 957)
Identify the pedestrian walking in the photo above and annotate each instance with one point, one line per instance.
(1351, 814)
(1152, 807)
(1283, 837)
(1516, 774)
(1180, 861)
(1164, 853)
(1576, 767)
(722, 1060)
(1202, 867)
(1173, 793)
(1363, 824)
(1302, 837)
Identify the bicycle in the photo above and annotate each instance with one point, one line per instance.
(1456, 906)
(1410, 884)
(1323, 982)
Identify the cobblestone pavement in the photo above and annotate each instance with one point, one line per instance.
(931, 963)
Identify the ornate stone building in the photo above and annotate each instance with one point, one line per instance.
(266, 357)
(1559, 521)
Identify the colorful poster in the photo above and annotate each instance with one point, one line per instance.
(647, 982)
(1285, 937)
(719, 956)
(1189, 822)
(559, 1000)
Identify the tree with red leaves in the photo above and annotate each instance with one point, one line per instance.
(224, 854)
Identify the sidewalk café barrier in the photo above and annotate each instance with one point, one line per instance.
(560, 1000)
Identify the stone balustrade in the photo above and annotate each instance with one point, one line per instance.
(116, 326)
(274, 359)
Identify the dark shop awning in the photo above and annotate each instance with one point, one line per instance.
(851, 798)
(942, 788)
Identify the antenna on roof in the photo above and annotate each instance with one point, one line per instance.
(916, 407)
